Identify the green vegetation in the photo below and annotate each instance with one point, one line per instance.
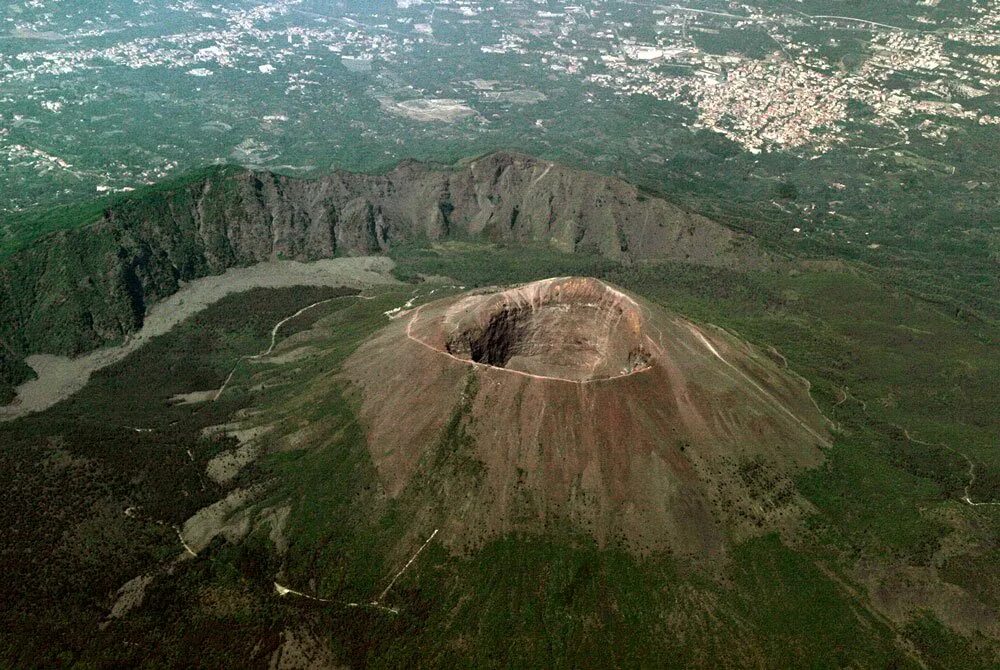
(879, 361)
(13, 371)
(884, 296)
(944, 650)
(68, 475)
(524, 601)
(17, 231)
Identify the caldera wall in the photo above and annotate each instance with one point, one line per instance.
(78, 289)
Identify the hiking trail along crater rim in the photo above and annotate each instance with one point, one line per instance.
(572, 329)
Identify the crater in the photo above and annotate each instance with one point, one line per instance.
(575, 329)
(584, 405)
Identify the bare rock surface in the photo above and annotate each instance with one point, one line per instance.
(228, 518)
(570, 401)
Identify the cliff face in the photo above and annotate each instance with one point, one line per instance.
(499, 197)
(80, 288)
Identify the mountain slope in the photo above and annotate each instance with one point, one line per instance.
(80, 288)
(567, 401)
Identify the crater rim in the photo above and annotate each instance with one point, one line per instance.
(571, 329)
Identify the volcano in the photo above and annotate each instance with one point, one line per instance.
(569, 404)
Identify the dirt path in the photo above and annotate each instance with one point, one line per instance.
(403, 569)
(60, 377)
(777, 403)
(274, 338)
(377, 603)
(967, 493)
(967, 498)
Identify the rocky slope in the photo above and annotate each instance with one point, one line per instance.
(569, 402)
(80, 288)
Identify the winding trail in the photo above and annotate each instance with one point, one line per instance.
(967, 498)
(537, 179)
(704, 340)
(274, 336)
(967, 493)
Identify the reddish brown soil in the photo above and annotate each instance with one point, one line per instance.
(583, 407)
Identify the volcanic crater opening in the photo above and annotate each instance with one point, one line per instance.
(577, 329)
